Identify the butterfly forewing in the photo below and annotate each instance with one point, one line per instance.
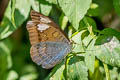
(49, 43)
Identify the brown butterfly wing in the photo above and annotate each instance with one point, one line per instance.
(44, 32)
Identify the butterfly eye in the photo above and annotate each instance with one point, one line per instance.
(45, 20)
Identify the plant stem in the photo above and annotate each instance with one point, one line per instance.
(66, 67)
(107, 71)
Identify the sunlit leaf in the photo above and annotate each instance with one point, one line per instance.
(87, 40)
(89, 56)
(109, 51)
(75, 10)
(77, 42)
(35, 5)
(45, 7)
(77, 69)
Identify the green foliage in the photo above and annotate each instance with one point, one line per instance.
(116, 4)
(78, 8)
(95, 53)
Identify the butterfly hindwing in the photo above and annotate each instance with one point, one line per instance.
(48, 54)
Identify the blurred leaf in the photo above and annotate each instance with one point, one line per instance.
(93, 6)
(77, 69)
(30, 76)
(89, 56)
(104, 7)
(93, 11)
(5, 58)
(111, 32)
(109, 51)
(78, 47)
(98, 72)
(28, 69)
(28, 72)
(45, 7)
(12, 75)
(119, 77)
(57, 72)
(114, 73)
(20, 15)
(75, 10)
(116, 4)
(52, 1)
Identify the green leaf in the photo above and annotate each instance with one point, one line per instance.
(77, 37)
(85, 21)
(5, 58)
(89, 56)
(30, 76)
(45, 7)
(109, 51)
(78, 47)
(57, 72)
(29, 72)
(52, 1)
(87, 40)
(111, 32)
(12, 75)
(21, 13)
(63, 21)
(77, 69)
(55, 15)
(35, 5)
(75, 10)
(70, 31)
(116, 4)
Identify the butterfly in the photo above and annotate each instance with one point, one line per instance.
(49, 43)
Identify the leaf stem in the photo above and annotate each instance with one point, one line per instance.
(66, 67)
(107, 71)
(13, 12)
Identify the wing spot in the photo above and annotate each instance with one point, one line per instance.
(55, 34)
(42, 27)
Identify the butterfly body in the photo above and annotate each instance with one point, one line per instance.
(49, 43)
